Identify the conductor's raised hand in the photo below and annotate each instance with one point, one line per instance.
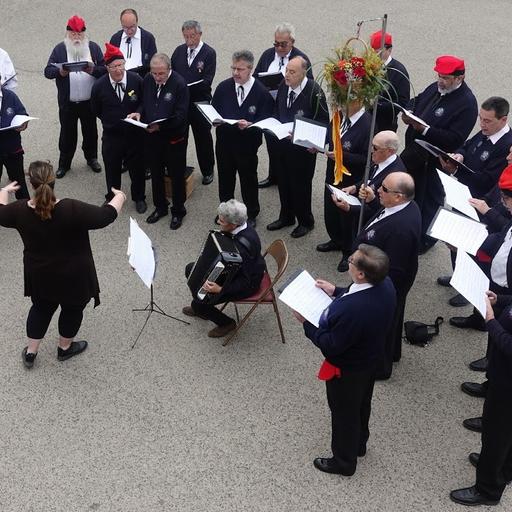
(12, 187)
(212, 287)
(118, 200)
(326, 286)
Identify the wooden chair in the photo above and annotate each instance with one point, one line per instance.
(266, 294)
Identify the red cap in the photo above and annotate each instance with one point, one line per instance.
(112, 53)
(449, 65)
(505, 182)
(376, 40)
(76, 24)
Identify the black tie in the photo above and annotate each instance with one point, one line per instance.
(291, 97)
(119, 90)
(190, 56)
(281, 63)
(241, 93)
(345, 126)
(373, 170)
(128, 47)
(158, 90)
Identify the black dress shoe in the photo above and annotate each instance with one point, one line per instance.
(457, 301)
(141, 206)
(474, 389)
(61, 172)
(74, 349)
(94, 165)
(444, 280)
(279, 224)
(156, 216)
(480, 365)
(331, 466)
(251, 222)
(207, 179)
(28, 358)
(331, 245)
(474, 458)
(267, 182)
(176, 222)
(468, 322)
(470, 496)
(473, 424)
(300, 231)
(343, 265)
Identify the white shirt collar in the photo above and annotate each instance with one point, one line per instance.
(247, 86)
(497, 136)
(357, 287)
(396, 209)
(355, 117)
(278, 57)
(388, 60)
(386, 162)
(122, 81)
(196, 49)
(300, 87)
(135, 36)
(239, 228)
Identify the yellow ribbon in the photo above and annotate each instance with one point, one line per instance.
(339, 168)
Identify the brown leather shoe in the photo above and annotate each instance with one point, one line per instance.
(221, 330)
(187, 310)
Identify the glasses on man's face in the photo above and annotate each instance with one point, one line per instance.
(352, 261)
(389, 191)
(116, 66)
(376, 148)
(238, 70)
(281, 44)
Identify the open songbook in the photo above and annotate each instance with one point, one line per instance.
(302, 295)
(271, 79)
(73, 66)
(272, 125)
(141, 124)
(340, 195)
(309, 133)
(211, 114)
(409, 114)
(18, 121)
(434, 150)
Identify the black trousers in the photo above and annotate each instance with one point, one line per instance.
(13, 164)
(162, 154)
(295, 170)
(244, 160)
(350, 400)
(41, 313)
(203, 139)
(273, 154)
(69, 114)
(494, 467)
(124, 146)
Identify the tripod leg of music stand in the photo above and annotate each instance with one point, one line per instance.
(144, 325)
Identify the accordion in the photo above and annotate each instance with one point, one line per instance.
(218, 262)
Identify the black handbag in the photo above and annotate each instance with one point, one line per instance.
(418, 333)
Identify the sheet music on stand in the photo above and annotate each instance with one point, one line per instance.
(141, 254)
(469, 280)
(309, 133)
(302, 295)
(457, 195)
(458, 230)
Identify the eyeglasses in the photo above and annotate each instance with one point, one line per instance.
(388, 191)
(352, 260)
(376, 148)
(116, 66)
(238, 70)
(282, 44)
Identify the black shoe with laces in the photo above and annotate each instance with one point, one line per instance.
(74, 349)
(28, 358)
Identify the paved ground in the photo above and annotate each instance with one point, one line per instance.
(180, 423)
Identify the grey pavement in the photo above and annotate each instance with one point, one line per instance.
(181, 423)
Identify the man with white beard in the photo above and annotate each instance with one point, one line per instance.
(74, 93)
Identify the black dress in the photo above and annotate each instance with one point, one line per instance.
(57, 257)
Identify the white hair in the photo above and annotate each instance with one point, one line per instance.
(233, 211)
(285, 28)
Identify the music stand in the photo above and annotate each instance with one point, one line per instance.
(142, 259)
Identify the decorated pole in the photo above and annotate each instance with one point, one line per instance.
(372, 128)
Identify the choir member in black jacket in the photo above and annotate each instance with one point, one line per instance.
(232, 219)
(450, 109)
(486, 152)
(352, 347)
(275, 60)
(74, 94)
(138, 45)
(246, 99)
(399, 88)
(355, 138)
(113, 97)
(297, 95)
(396, 229)
(165, 96)
(494, 463)
(196, 62)
(11, 150)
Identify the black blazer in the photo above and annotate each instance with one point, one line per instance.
(269, 55)
(399, 236)
(147, 47)
(106, 106)
(10, 140)
(203, 68)
(60, 54)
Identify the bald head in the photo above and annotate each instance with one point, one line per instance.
(385, 144)
(295, 71)
(397, 188)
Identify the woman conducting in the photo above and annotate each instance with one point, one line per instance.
(58, 264)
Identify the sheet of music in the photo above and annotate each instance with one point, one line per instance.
(17, 121)
(353, 200)
(141, 255)
(457, 195)
(458, 230)
(304, 297)
(309, 135)
(469, 280)
(280, 130)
